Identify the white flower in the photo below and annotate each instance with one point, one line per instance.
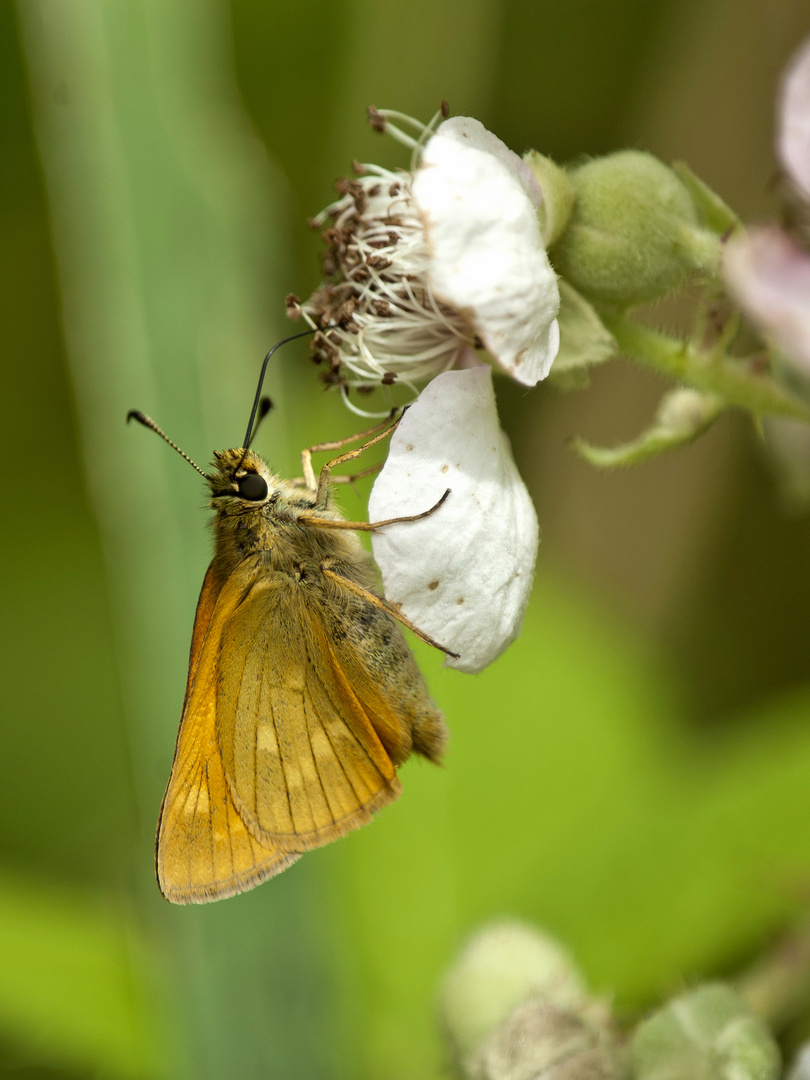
(768, 269)
(426, 266)
(427, 263)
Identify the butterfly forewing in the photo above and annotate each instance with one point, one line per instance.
(302, 759)
(204, 851)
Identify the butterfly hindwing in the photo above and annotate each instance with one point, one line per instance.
(302, 759)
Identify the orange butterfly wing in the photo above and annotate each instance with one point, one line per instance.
(301, 756)
(204, 851)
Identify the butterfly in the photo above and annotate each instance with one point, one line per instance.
(302, 697)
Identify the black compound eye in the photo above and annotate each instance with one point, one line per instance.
(252, 486)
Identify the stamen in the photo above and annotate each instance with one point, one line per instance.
(387, 326)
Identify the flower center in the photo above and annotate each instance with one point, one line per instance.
(380, 321)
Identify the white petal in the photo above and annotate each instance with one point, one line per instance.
(487, 253)
(769, 274)
(470, 132)
(794, 120)
(463, 574)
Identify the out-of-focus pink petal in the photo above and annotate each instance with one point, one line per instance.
(769, 275)
(793, 142)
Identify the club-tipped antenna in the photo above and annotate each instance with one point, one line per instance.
(250, 432)
(147, 421)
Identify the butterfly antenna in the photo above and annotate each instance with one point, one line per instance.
(265, 405)
(250, 432)
(148, 422)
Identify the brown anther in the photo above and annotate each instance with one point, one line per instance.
(292, 301)
(376, 119)
(364, 389)
(378, 262)
(389, 378)
(394, 190)
(381, 307)
(333, 377)
(375, 190)
(334, 337)
(352, 327)
(358, 167)
(445, 109)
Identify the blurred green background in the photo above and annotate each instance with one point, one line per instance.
(634, 774)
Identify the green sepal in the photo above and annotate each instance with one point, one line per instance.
(555, 210)
(584, 340)
(706, 1034)
(717, 215)
(682, 415)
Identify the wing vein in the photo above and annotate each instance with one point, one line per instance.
(326, 799)
(338, 757)
(281, 760)
(211, 821)
(198, 787)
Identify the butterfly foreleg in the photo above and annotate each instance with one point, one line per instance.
(348, 478)
(382, 604)
(309, 478)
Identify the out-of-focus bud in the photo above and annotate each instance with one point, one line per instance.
(800, 1069)
(634, 234)
(707, 1034)
(539, 1041)
(501, 967)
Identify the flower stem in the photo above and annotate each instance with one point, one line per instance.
(734, 380)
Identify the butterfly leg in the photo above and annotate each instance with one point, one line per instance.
(336, 444)
(347, 478)
(366, 526)
(383, 605)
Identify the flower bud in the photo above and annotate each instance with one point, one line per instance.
(707, 1034)
(502, 966)
(634, 234)
(539, 1041)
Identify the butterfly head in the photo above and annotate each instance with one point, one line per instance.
(241, 477)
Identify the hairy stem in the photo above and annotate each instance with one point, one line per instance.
(737, 381)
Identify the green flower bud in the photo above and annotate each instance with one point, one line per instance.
(555, 210)
(502, 966)
(634, 234)
(538, 1041)
(707, 1034)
